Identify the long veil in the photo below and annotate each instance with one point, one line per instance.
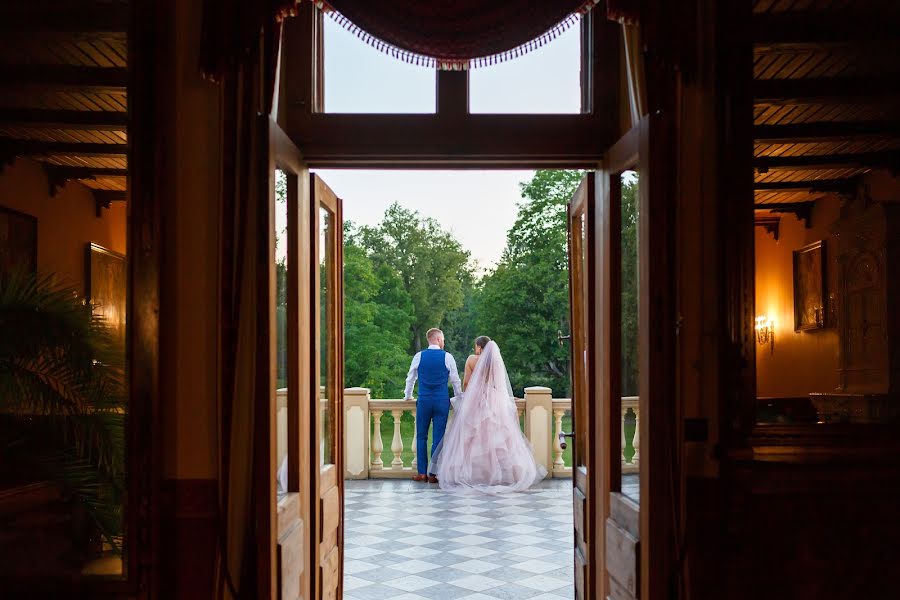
(485, 450)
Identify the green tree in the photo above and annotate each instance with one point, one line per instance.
(460, 325)
(524, 302)
(629, 288)
(377, 318)
(429, 261)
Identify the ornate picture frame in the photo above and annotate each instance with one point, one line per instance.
(18, 241)
(106, 286)
(810, 297)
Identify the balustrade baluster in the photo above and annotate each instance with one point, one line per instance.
(558, 462)
(415, 445)
(377, 444)
(397, 443)
(624, 414)
(636, 440)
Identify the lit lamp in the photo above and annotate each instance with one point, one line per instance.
(765, 331)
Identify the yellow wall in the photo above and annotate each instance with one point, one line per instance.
(66, 222)
(188, 337)
(801, 362)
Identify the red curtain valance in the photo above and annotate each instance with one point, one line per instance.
(454, 34)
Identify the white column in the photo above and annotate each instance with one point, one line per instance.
(397, 443)
(558, 462)
(622, 425)
(539, 424)
(377, 445)
(356, 433)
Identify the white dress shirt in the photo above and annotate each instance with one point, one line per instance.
(414, 373)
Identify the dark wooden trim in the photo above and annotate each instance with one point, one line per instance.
(59, 175)
(65, 77)
(815, 185)
(349, 140)
(826, 161)
(824, 131)
(189, 535)
(80, 17)
(770, 223)
(825, 91)
(452, 96)
(801, 210)
(64, 119)
(820, 27)
(42, 148)
(145, 256)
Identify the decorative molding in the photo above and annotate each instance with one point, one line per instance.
(801, 210)
(770, 223)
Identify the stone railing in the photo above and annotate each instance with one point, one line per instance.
(542, 417)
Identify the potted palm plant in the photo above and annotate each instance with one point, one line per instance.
(63, 402)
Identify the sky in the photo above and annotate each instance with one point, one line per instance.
(478, 207)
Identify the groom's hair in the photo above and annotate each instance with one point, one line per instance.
(433, 334)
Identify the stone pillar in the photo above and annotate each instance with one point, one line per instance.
(539, 424)
(356, 433)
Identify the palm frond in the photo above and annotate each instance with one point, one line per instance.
(62, 387)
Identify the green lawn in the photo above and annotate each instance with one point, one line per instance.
(407, 424)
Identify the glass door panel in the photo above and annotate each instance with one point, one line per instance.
(327, 414)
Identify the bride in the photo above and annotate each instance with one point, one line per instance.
(484, 450)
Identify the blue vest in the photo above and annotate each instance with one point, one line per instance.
(433, 375)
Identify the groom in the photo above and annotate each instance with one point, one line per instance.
(434, 369)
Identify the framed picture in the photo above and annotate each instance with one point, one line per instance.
(18, 241)
(809, 287)
(106, 284)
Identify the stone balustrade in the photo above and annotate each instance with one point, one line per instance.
(542, 416)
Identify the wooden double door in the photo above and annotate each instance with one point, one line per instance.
(623, 326)
(300, 505)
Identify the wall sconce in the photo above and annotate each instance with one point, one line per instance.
(765, 331)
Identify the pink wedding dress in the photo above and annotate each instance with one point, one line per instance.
(484, 449)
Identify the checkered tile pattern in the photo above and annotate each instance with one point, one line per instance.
(411, 541)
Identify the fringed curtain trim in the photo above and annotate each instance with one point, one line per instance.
(447, 61)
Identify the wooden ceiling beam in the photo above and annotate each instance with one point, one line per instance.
(59, 175)
(74, 17)
(824, 131)
(825, 91)
(816, 27)
(827, 161)
(65, 77)
(64, 119)
(41, 148)
(801, 210)
(815, 185)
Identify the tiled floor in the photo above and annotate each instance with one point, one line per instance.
(411, 541)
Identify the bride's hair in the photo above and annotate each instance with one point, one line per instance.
(482, 341)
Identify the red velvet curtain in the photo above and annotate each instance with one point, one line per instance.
(451, 33)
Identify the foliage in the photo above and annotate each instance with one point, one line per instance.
(524, 302)
(430, 263)
(63, 396)
(378, 314)
(408, 274)
(629, 288)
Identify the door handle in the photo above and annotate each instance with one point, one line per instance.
(561, 337)
(562, 439)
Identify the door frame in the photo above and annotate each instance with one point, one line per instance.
(300, 90)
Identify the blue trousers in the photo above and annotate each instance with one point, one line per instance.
(428, 410)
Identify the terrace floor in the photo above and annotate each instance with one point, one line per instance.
(411, 541)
